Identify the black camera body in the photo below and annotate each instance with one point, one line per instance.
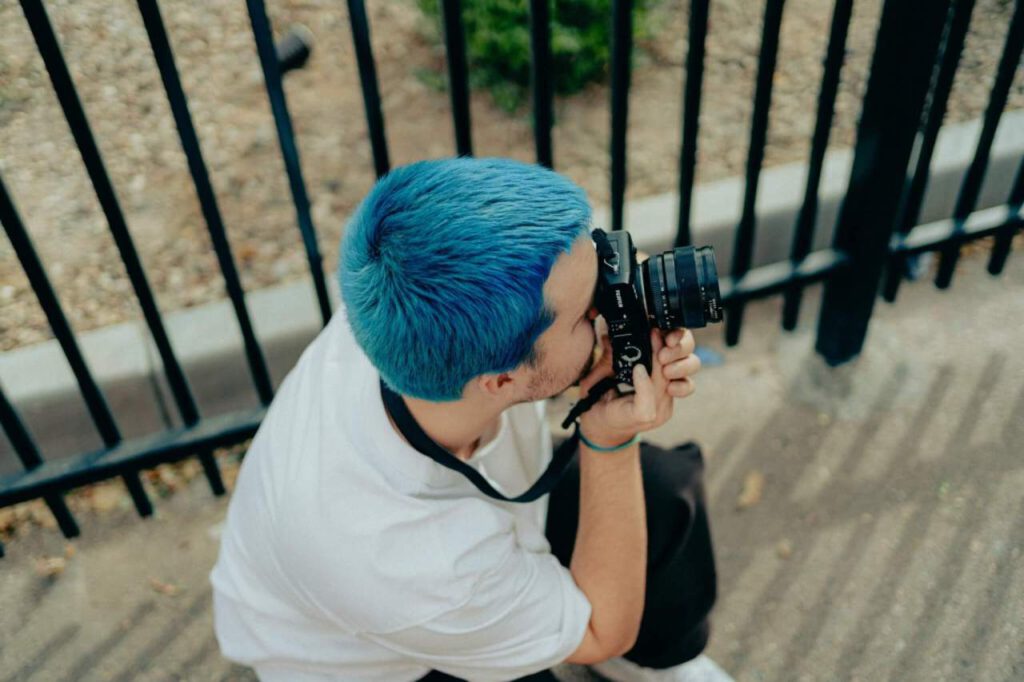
(677, 288)
(619, 299)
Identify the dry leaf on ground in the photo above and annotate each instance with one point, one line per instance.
(51, 566)
(753, 488)
(41, 514)
(165, 479)
(164, 588)
(8, 518)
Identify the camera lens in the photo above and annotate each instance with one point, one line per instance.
(680, 288)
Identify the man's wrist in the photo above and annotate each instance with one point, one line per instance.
(605, 442)
(594, 434)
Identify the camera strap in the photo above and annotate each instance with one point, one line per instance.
(424, 444)
(584, 404)
(604, 249)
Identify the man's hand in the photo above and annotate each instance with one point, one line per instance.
(615, 420)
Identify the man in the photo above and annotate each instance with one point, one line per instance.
(350, 555)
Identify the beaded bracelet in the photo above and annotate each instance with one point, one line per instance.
(598, 448)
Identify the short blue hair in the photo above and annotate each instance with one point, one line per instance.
(443, 266)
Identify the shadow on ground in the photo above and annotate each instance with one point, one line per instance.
(886, 543)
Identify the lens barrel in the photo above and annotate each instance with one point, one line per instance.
(680, 288)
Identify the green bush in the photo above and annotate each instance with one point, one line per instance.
(498, 43)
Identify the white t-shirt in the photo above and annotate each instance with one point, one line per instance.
(348, 555)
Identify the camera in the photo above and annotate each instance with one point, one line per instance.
(677, 288)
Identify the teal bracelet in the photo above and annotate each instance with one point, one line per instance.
(598, 448)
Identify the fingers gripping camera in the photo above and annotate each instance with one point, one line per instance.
(678, 288)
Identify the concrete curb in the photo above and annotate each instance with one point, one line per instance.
(717, 205)
(124, 362)
(207, 342)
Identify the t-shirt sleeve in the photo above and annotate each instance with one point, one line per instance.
(523, 616)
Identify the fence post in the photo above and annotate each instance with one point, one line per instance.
(907, 46)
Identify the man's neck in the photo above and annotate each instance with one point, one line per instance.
(458, 426)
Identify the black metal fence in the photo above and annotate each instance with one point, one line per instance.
(917, 51)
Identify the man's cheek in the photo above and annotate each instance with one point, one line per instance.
(588, 364)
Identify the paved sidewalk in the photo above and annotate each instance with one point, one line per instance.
(882, 534)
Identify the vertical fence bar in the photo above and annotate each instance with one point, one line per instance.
(905, 53)
(458, 74)
(212, 472)
(64, 87)
(622, 48)
(289, 150)
(745, 232)
(804, 231)
(696, 37)
(971, 187)
(540, 77)
(1004, 238)
(30, 458)
(204, 190)
(36, 274)
(368, 79)
(910, 210)
(95, 402)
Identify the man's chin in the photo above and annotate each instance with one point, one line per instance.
(575, 382)
(544, 395)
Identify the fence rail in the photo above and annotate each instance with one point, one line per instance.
(919, 46)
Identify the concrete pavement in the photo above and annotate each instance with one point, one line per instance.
(882, 537)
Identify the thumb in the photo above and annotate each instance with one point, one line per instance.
(643, 405)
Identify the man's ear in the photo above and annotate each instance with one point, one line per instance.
(504, 385)
(496, 384)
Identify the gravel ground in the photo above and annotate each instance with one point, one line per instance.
(105, 45)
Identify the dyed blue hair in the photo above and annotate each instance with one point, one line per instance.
(443, 264)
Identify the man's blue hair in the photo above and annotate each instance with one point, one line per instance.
(443, 264)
